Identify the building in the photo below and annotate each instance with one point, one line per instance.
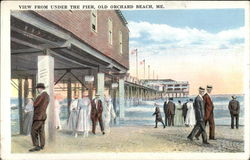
(169, 87)
(80, 50)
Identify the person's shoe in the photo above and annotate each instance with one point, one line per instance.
(155, 127)
(164, 127)
(197, 137)
(191, 139)
(42, 147)
(37, 148)
(206, 143)
(212, 139)
(103, 133)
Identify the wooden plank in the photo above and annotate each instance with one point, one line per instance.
(20, 103)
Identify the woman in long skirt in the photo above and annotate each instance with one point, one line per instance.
(190, 119)
(83, 122)
(178, 115)
(28, 117)
(72, 122)
(108, 113)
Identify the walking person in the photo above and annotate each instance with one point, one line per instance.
(96, 113)
(165, 111)
(234, 108)
(28, 116)
(108, 113)
(190, 118)
(85, 109)
(178, 115)
(184, 110)
(73, 117)
(37, 130)
(158, 117)
(209, 113)
(170, 112)
(199, 116)
(57, 113)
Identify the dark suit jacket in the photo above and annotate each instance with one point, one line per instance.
(234, 107)
(170, 108)
(184, 109)
(165, 107)
(40, 106)
(199, 109)
(96, 111)
(209, 106)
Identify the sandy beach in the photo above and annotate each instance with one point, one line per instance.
(137, 139)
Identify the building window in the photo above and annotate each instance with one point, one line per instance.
(120, 41)
(110, 31)
(94, 20)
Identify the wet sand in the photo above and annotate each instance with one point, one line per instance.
(138, 139)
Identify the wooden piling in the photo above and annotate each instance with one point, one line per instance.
(20, 102)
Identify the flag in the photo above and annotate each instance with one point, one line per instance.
(134, 51)
(142, 62)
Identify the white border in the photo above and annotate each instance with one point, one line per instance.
(5, 93)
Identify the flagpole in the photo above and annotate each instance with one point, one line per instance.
(136, 63)
(144, 69)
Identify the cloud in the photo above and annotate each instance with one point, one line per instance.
(166, 36)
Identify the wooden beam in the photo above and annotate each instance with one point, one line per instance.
(69, 95)
(20, 102)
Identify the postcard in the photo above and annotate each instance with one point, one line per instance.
(125, 80)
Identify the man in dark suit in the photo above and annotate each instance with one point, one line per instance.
(170, 112)
(199, 116)
(96, 113)
(165, 112)
(37, 130)
(184, 110)
(234, 108)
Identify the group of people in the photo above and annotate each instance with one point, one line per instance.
(83, 111)
(197, 114)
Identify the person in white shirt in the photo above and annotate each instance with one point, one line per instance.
(28, 116)
(190, 118)
(73, 117)
(57, 113)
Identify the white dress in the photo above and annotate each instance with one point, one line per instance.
(72, 122)
(190, 119)
(28, 117)
(57, 114)
(108, 113)
(83, 121)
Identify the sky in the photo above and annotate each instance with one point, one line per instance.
(199, 46)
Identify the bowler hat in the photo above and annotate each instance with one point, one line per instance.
(40, 85)
(234, 97)
(209, 86)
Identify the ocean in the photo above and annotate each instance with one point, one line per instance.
(142, 114)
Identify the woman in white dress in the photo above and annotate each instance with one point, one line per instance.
(28, 117)
(57, 114)
(72, 122)
(108, 113)
(83, 122)
(190, 119)
(178, 115)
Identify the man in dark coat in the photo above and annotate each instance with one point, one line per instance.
(96, 113)
(37, 130)
(170, 112)
(158, 117)
(165, 112)
(184, 110)
(234, 108)
(199, 116)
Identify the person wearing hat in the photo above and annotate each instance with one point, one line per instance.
(170, 112)
(209, 113)
(185, 110)
(165, 111)
(190, 118)
(37, 129)
(234, 108)
(96, 113)
(199, 116)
